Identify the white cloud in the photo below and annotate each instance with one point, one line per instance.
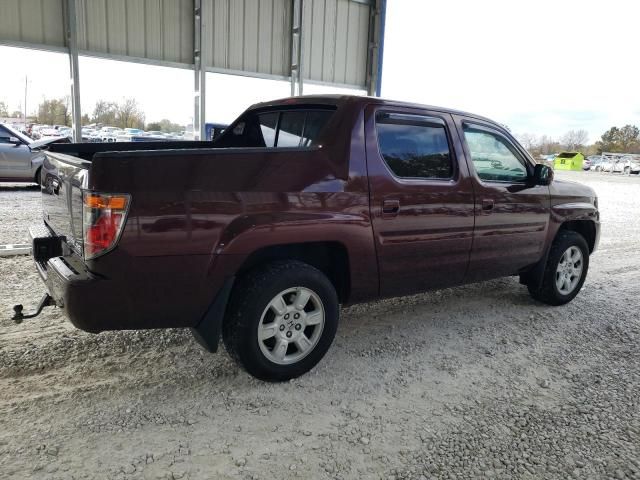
(537, 66)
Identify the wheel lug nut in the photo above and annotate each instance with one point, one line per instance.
(298, 326)
(288, 334)
(281, 328)
(296, 316)
(286, 316)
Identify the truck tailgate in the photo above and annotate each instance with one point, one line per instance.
(63, 178)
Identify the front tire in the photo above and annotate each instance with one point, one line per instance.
(566, 270)
(281, 320)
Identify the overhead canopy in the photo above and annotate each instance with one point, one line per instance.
(246, 37)
(334, 42)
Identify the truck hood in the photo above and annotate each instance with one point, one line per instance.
(568, 189)
(41, 144)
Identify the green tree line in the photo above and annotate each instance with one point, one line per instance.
(617, 140)
(125, 114)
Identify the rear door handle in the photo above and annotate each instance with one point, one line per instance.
(390, 208)
(487, 205)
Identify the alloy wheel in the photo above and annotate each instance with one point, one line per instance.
(291, 325)
(569, 270)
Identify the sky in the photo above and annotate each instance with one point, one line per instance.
(539, 67)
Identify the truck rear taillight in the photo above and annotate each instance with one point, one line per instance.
(103, 218)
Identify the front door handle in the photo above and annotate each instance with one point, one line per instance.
(390, 208)
(487, 205)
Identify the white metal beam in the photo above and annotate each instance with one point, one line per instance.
(297, 47)
(200, 73)
(74, 72)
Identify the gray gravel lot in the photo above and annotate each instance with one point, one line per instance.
(472, 382)
(20, 206)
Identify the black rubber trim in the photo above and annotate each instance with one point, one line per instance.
(207, 332)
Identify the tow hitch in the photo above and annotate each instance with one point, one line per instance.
(46, 301)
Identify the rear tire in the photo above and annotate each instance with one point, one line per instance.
(566, 270)
(281, 320)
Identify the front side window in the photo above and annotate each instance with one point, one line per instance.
(493, 157)
(414, 147)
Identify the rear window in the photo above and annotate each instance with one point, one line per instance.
(567, 155)
(293, 128)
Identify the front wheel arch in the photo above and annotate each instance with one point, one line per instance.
(546, 291)
(586, 228)
(37, 178)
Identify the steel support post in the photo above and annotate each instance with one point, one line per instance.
(200, 79)
(376, 47)
(74, 72)
(296, 47)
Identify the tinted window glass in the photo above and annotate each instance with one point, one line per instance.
(493, 157)
(314, 123)
(415, 149)
(291, 126)
(268, 124)
(276, 129)
(5, 135)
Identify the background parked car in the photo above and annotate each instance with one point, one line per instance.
(590, 161)
(21, 157)
(628, 164)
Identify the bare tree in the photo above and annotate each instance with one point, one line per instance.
(528, 140)
(574, 139)
(129, 115)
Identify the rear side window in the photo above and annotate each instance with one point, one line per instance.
(292, 128)
(414, 147)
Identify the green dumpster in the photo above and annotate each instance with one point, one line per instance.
(568, 161)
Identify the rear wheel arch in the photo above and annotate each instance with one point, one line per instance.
(330, 257)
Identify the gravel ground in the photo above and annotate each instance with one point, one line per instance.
(20, 206)
(471, 382)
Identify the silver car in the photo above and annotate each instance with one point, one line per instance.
(21, 157)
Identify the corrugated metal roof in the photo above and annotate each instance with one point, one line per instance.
(33, 21)
(251, 37)
(153, 29)
(248, 35)
(335, 36)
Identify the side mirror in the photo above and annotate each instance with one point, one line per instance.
(542, 174)
(15, 141)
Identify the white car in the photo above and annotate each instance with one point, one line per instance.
(20, 157)
(109, 134)
(628, 164)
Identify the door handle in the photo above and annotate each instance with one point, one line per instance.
(487, 205)
(390, 208)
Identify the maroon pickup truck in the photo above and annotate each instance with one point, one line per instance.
(301, 205)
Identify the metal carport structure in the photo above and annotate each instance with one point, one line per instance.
(331, 42)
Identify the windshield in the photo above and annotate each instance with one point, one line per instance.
(16, 133)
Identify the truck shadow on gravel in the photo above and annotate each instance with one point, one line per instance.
(11, 187)
(170, 355)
